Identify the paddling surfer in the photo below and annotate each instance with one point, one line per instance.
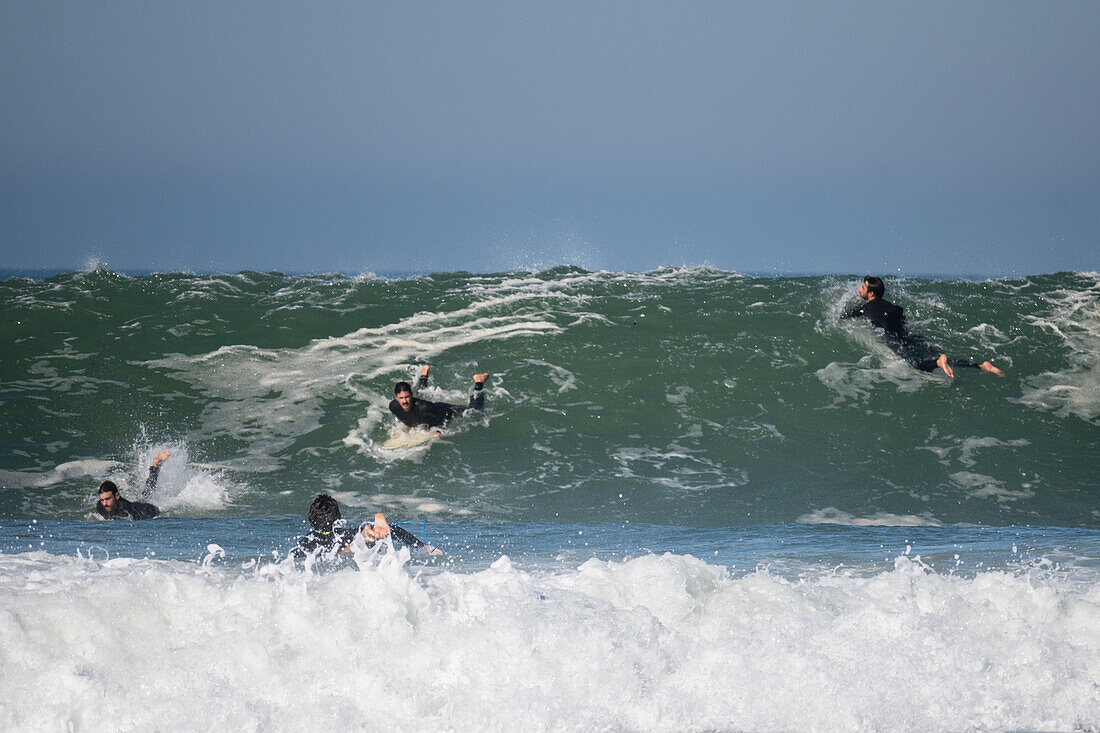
(325, 536)
(112, 506)
(913, 349)
(414, 412)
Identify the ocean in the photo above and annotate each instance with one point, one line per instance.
(695, 500)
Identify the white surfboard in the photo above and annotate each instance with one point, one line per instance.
(409, 439)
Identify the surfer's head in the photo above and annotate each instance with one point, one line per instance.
(403, 392)
(323, 513)
(108, 496)
(872, 286)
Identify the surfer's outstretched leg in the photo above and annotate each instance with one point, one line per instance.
(477, 399)
(379, 529)
(942, 364)
(987, 366)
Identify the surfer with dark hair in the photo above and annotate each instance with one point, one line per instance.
(112, 506)
(913, 349)
(326, 536)
(414, 412)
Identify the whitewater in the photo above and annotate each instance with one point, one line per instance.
(695, 500)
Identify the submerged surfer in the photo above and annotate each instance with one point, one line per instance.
(913, 349)
(325, 537)
(112, 506)
(413, 411)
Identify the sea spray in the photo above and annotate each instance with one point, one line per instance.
(657, 642)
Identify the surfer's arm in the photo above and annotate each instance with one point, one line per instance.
(422, 382)
(853, 312)
(408, 538)
(154, 473)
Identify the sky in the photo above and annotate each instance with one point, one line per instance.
(764, 137)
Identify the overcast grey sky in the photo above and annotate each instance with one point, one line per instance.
(911, 137)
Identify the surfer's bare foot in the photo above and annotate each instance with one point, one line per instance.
(987, 366)
(480, 378)
(380, 529)
(942, 364)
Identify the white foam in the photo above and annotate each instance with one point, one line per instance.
(182, 487)
(656, 643)
(832, 515)
(676, 467)
(404, 505)
(87, 467)
(1074, 317)
(857, 382)
(969, 447)
(564, 379)
(981, 486)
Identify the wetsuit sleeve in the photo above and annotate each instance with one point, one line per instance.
(142, 510)
(151, 481)
(853, 312)
(405, 537)
(435, 414)
(347, 535)
(477, 398)
(422, 382)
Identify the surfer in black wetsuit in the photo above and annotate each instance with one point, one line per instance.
(113, 506)
(327, 538)
(913, 349)
(414, 412)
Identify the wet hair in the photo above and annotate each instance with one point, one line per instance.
(875, 286)
(108, 486)
(402, 387)
(323, 513)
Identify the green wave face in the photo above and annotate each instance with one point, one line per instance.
(680, 396)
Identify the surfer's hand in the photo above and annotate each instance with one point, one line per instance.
(480, 378)
(438, 433)
(161, 457)
(424, 369)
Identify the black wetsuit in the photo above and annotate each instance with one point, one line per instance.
(135, 509)
(325, 542)
(882, 313)
(331, 543)
(435, 414)
(913, 349)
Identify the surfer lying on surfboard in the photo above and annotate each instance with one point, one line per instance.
(329, 539)
(913, 349)
(415, 412)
